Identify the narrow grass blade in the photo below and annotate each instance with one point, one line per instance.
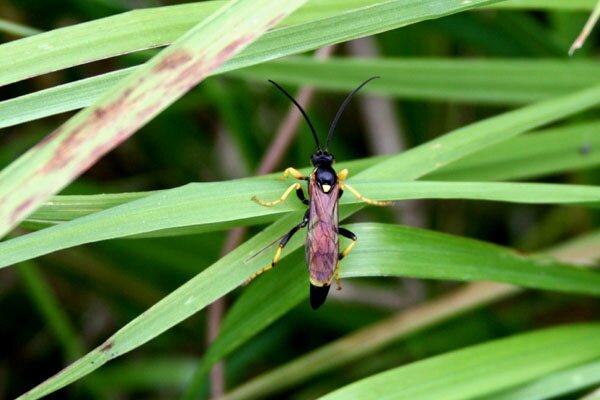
(50, 310)
(76, 145)
(215, 205)
(59, 99)
(17, 29)
(439, 152)
(554, 150)
(481, 81)
(558, 5)
(514, 360)
(555, 384)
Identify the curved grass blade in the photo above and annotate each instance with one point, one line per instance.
(514, 360)
(73, 147)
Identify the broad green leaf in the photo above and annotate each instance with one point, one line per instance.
(72, 148)
(482, 369)
(555, 384)
(481, 81)
(315, 25)
(215, 205)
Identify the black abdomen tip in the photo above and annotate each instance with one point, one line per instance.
(318, 294)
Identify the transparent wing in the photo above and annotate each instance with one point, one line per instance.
(263, 250)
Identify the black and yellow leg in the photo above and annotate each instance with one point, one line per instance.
(345, 233)
(295, 186)
(342, 175)
(280, 247)
(293, 172)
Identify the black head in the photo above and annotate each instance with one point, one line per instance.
(322, 159)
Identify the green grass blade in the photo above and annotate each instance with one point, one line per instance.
(58, 99)
(73, 147)
(50, 310)
(558, 5)
(215, 205)
(513, 360)
(481, 81)
(316, 25)
(555, 384)
(554, 150)
(439, 152)
(384, 251)
(549, 151)
(17, 29)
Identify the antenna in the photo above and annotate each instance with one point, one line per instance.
(342, 107)
(301, 110)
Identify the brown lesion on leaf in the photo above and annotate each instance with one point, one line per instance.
(173, 61)
(107, 346)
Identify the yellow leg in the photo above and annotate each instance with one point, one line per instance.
(343, 174)
(268, 267)
(293, 172)
(295, 186)
(359, 196)
(343, 254)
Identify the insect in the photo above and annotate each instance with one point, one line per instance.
(325, 187)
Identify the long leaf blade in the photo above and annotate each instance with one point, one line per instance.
(513, 360)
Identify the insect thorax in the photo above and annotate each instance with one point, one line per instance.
(325, 177)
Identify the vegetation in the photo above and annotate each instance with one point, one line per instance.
(478, 282)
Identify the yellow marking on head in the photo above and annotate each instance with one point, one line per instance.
(326, 188)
